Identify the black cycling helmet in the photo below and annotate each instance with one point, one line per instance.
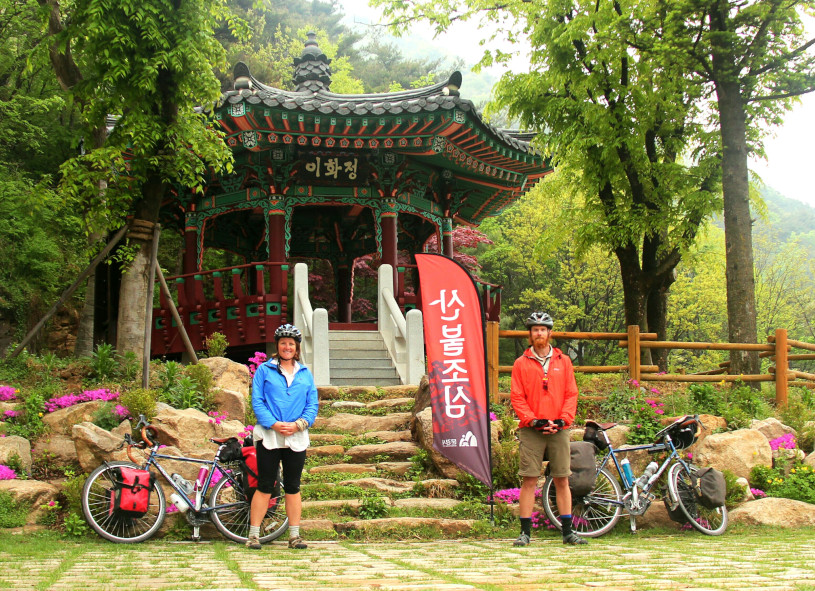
(539, 319)
(288, 330)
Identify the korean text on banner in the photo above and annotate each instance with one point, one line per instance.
(454, 336)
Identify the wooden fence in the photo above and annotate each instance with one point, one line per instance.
(777, 349)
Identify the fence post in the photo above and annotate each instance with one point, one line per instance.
(634, 352)
(492, 358)
(781, 367)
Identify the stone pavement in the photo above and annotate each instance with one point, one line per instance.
(692, 562)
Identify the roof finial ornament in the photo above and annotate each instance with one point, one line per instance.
(311, 71)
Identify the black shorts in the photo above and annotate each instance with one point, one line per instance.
(268, 462)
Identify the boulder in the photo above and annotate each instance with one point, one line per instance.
(775, 512)
(307, 525)
(385, 485)
(438, 487)
(448, 527)
(32, 493)
(810, 460)
(737, 451)
(328, 392)
(361, 391)
(423, 503)
(229, 375)
(772, 428)
(59, 447)
(655, 516)
(359, 424)
(403, 391)
(16, 445)
(231, 402)
(397, 450)
(94, 445)
(422, 398)
(190, 430)
(397, 468)
(390, 402)
(325, 437)
(618, 435)
(63, 420)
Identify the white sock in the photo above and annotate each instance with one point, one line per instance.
(294, 531)
(254, 530)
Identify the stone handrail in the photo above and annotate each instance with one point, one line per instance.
(403, 335)
(314, 326)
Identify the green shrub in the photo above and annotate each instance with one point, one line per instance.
(735, 492)
(798, 483)
(373, 508)
(29, 423)
(72, 491)
(469, 488)
(139, 401)
(619, 405)
(505, 464)
(705, 399)
(75, 525)
(15, 462)
(103, 362)
(216, 344)
(105, 416)
(13, 513)
(645, 421)
(422, 464)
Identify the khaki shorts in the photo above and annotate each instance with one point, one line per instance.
(535, 446)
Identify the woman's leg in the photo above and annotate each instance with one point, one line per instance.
(268, 462)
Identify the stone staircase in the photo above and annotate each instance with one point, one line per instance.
(360, 358)
(359, 478)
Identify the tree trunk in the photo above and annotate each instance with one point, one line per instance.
(738, 226)
(657, 315)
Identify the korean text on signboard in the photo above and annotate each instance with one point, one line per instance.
(455, 374)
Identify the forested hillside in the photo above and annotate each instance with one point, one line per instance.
(46, 238)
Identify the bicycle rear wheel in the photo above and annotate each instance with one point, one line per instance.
(115, 528)
(592, 515)
(231, 513)
(712, 522)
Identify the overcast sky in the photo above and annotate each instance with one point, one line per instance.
(789, 152)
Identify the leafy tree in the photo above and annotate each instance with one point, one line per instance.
(151, 62)
(751, 59)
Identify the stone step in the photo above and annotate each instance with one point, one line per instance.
(365, 381)
(367, 373)
(354, 335)
(359, 424)
(359, 363)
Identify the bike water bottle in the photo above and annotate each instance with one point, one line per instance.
(179, 503)
(182, 483)
(628, 475)
(202, 478)
(650, 469)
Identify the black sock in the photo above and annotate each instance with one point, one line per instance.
(566, 522)
(526, 526)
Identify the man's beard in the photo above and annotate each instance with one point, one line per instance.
(539, 342)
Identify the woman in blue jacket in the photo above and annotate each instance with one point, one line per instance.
(284, 399)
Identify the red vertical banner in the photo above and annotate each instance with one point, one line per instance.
(455, 341)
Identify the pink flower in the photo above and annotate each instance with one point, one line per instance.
(659, 411)
(7, 393)
(654, 391)
(493, 416)
(7, 473)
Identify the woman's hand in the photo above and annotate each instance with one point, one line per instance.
(285, 429)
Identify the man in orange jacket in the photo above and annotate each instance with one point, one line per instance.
(544, 396)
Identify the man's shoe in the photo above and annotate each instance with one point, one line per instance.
(574, 539)
(253, 543)
(523, 540)
(297, 543)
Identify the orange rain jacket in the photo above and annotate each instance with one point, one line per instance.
(531, 401)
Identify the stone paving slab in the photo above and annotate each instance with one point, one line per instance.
(742, 561)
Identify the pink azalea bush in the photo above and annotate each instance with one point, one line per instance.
(9, 414)
(217, 417)
(7, 393)
(784, 442)
(7, 473)
(255, 361)
(72, 399)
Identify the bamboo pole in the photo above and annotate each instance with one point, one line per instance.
(68, 292)
(174, 311)
(781, 367)
(148, 312)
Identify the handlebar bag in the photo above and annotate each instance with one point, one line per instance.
(130, 494)
(710, 487)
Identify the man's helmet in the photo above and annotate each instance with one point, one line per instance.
(288, 330)
(539, 319)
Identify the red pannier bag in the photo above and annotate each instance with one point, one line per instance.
(130, 495)
(250, 476)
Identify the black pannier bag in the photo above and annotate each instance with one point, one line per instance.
(683, 432)
(232, 451)
(710, 487)
(593, 435)
(130, 495)
(584, 468)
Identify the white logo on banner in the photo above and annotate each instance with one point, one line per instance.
(468, 440)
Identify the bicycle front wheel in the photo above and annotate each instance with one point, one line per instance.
(712, 522)
(592, 515)
(108, 524)
(230, 513)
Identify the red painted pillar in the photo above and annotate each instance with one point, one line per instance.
(277, 250)
(389, 244)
